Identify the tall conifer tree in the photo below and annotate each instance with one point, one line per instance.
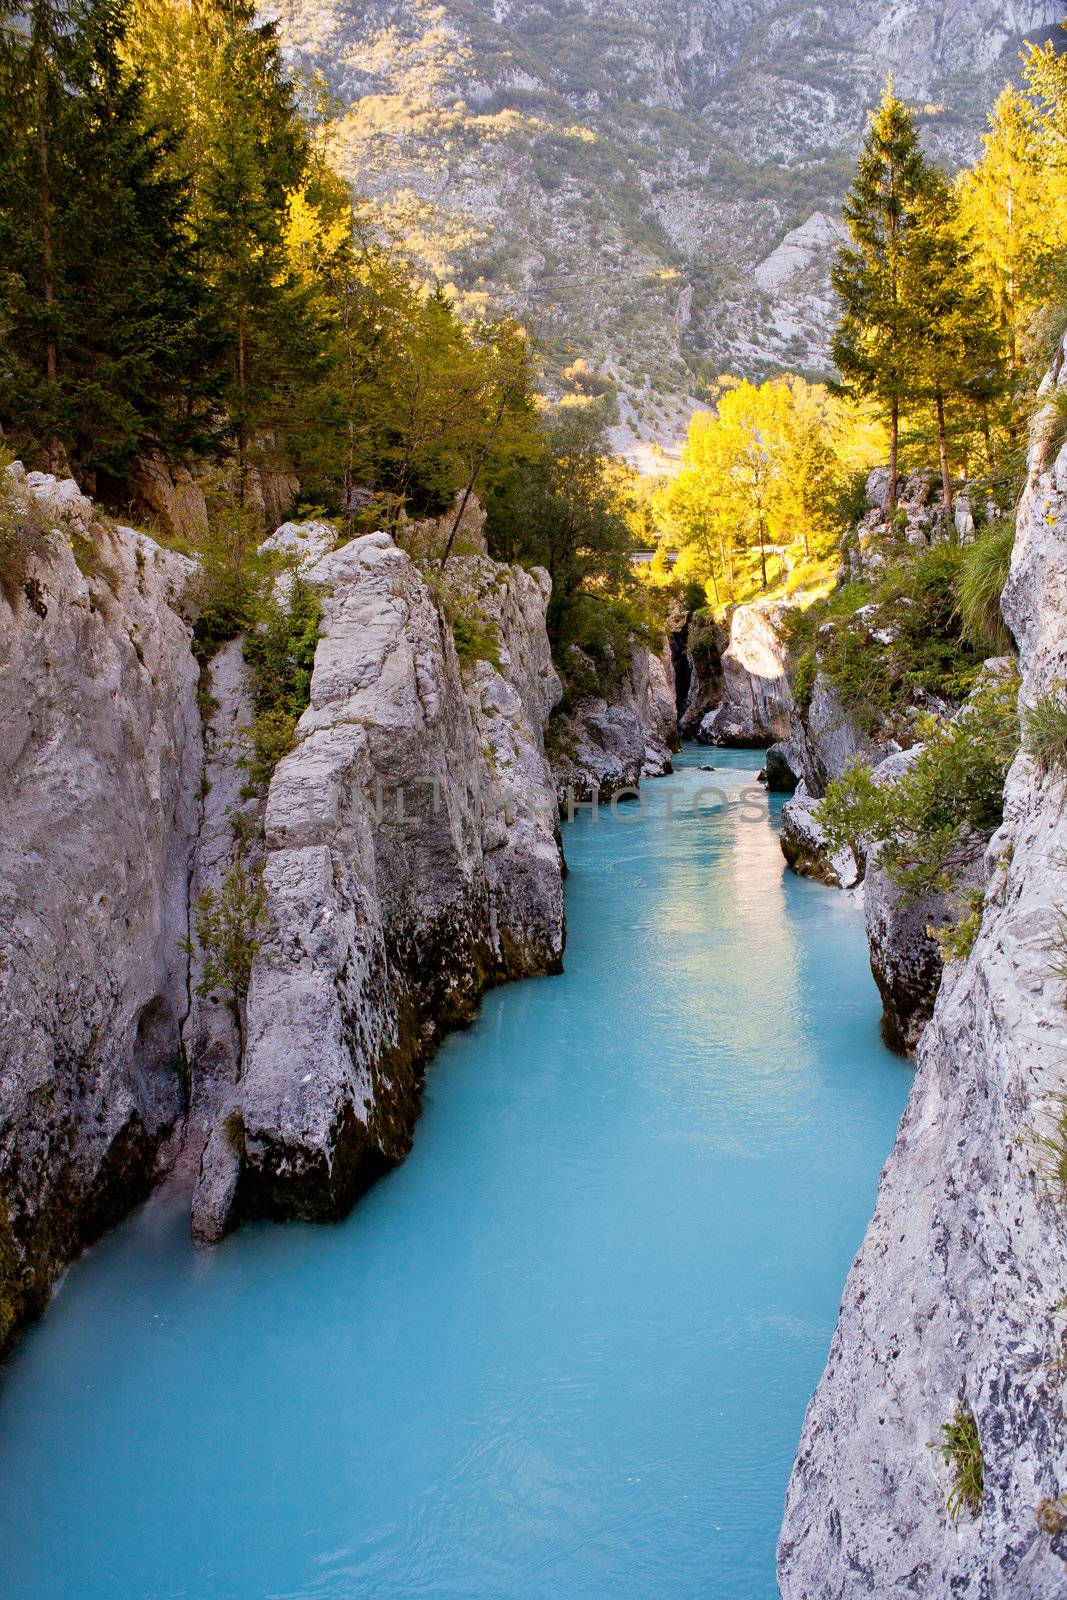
(874, 341)
(956, 352)
(1009, 211)
(100, 305)
(215, 73)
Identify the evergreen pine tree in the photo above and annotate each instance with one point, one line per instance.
(956, 352)
(874, 340)
(101, 307)
(216, 75)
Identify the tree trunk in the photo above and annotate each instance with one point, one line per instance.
(762, 555)
(942, 440)
(241, 437)
(894, 437)
(48, 285)
(711, 563)
(479, 463)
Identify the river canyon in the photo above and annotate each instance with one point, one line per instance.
(566, 1348)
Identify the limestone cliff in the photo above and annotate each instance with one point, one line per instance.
(757, 702)
(411, 857)
(955, 1300)
(409, 850)
(100, 767)
(655, 181)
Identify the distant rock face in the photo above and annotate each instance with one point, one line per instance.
(757, 702)
(602, 744)
(955, 1299)
(604, 163)
(100, 765)
(171, 496)
(704, 651)
(411, 858)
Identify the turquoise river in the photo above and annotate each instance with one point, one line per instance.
(564, 1352)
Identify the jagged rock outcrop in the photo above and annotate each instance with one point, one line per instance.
(757, 702)
(807, 850)
(229, 820)
(411, 857)
(607, 741)
(100, 768)
(906, 959)
(779, 769)
(918, 523)
(955, 1298)
(827, 738)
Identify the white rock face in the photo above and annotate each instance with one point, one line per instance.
(756, 702)
(953, 1298)
(411, 858)
(803, 246)
(410, 855)
(297, 546)
(100, 762)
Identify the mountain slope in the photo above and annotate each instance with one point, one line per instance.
(620, 168)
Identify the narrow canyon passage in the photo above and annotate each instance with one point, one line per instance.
(566, 1349)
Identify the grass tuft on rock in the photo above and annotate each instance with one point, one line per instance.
(983, 573)
(962, 1451)
(1045, 731)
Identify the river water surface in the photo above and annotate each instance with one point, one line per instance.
(564, 1352)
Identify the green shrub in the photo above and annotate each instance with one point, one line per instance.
(280, 655)
(605, 628)
(232, 585)
(1045, 731)
(983, 573)
(951, 795)
(1051, 1148)
(703, 634)
(228, 923)
(962, 1450)
(804, 673)
(1056, 946)
(957, 940)
(270, 739)
(1051, 1516)
(23, 535)
(475, 636)
(921, 650)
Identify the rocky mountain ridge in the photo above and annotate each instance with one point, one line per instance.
(655, 186)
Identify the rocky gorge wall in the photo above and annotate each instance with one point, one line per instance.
(954, 1304)
(605, 741)
(411, 857)
(408, 849)
(100, 769)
